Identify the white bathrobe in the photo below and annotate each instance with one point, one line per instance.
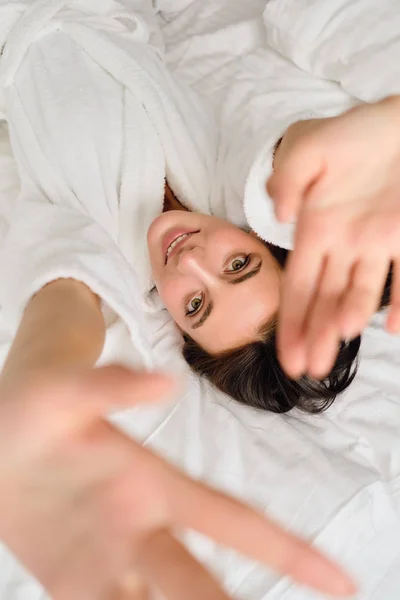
(97, 123)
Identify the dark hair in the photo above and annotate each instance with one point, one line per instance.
(252, 374)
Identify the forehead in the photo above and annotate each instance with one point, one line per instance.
(238, 313)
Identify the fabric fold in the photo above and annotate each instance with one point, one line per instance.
(97, 123)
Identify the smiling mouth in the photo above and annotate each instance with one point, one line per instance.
(178, 241)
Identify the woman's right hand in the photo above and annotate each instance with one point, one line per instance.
(339, 178)
(91, 513)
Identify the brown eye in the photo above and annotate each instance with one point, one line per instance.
(194, 305)
(238, 263)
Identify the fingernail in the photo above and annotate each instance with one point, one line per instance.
(293, 362)
(281, 217)
(333, 580)
(284, 216)
(294, 371)
(393, 322)
(343, 587)
(319, 372)
(349, 331)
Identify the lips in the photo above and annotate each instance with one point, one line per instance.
(171, 236)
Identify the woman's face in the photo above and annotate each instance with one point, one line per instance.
(219, 283)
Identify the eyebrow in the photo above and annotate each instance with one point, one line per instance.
(240, 279)
(204, 316)
(254, 271)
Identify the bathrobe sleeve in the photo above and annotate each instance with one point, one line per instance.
(353, 43)
(262, 103)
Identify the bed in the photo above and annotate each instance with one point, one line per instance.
(334, 478)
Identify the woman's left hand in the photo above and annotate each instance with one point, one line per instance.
(340, 178)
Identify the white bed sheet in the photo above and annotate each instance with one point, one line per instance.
(334, 478)
(9, 186)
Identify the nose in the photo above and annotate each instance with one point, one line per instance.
(193, 262)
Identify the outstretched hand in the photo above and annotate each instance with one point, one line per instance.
(340, 179)
(93, 515)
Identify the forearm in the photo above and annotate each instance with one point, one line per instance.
(62, 328)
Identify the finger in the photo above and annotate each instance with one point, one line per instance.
(164, 561)
(116, 387)
(293, 177)
(237, 526)
(393, 320)
(299, 283)
(323, 353)
(95, 393)
(132, 587)
(362, 297)
(323, 336)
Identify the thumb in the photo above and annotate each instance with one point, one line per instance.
(296, 171)
(97, 392)
(116, 387)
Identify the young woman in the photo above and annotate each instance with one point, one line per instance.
(222, 286)
(93, 167)
(97, 124)
(86, 214)
(62, 334)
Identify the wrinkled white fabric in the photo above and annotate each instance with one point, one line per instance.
(348, 51)
(96, 123)
(353, 42)
(333, 478)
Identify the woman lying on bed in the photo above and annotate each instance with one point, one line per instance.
(198, 261)
(86, 215)
(222, 286)
(86, 160)
(195, 256)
